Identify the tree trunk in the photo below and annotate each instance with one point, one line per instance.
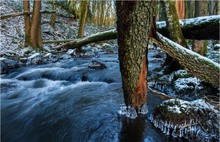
(193, 63)
(201, 9)
(175, 33)
(53, 16)
(36, 39)
(27, 23)
(84, 10)
(180, 7)
(133, 26)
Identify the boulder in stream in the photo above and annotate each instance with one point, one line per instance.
(7, 64)
(96, 65)
(35, 59)
(181, 118)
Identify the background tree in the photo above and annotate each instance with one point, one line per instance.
(201, 9)
(134, 21)
(27, 22)
(84, 10)
(175, 32)
(180, 7)
(53, 16)
(36, 39)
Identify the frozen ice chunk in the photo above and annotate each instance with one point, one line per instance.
(131, 113)
(122, 110)
(143, 109)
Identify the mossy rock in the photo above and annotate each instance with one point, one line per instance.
(197, 120)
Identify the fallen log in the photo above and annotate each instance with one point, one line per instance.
(195, 28)
(2, 17)
(57, 41)
(195, 64)
(101, 36)
(200, 28)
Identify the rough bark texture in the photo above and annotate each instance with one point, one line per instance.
(36, 40)
(195, 64)
(201, 9)
(53, 16)
(172, 22)
(175, 33)
(84, 10)
(27, 22)
(133, 26)
(77, 43)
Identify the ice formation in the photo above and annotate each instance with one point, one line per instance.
(194, 119)
(130, 112)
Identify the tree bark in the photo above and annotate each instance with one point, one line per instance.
(53, 16)
(36, 39)
(180, 7)
(195, 64)
(84, 10)
(27, 23)
(175, 33)
(77, 43)
(201, 9)
(133, 26)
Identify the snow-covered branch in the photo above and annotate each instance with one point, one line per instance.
(200, 28)
(197, 65)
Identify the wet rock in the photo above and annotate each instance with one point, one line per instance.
(23, 60)
(48, 55)
(7, 64)
(96, 65)
(25, 51)
(90, 51)
(180, 74)
(216, 47)
(106, 45)
(36, 58)
(158, 55)
(186, 85)
(71, 52)
(46, 48)
(181, 118)
(65, 56)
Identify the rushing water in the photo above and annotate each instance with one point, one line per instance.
(69, 102)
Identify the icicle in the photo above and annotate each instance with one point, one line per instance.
(168, 131)
(180, 132)
(143, 109)
(165, 130)
(151, 118)
(131, 113)
(174, 133)
(122, 110)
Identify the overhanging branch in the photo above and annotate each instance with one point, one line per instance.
(195, 64)
(2, 17)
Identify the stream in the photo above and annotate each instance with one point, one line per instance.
(67, 101)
